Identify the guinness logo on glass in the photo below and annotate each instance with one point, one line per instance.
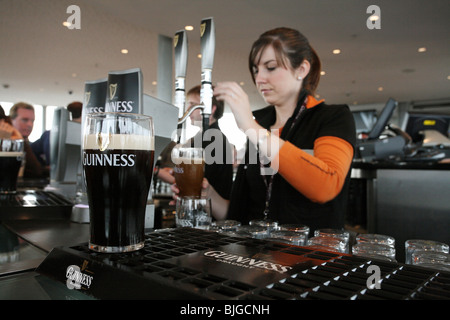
(112, 90)
(87, 97)
(202, 29)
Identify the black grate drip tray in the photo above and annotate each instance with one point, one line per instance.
(196, 264)
(34, 204)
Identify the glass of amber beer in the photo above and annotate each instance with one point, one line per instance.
(117, 152)
(11, 157)
(188, 170)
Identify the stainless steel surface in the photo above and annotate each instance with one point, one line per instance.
(49, 234)
(413, 204)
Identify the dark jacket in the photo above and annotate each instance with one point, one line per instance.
(287, 205)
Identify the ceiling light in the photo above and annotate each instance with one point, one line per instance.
(336, 51)
(154, 83)
(199, 56)
(66, 24)
(380, 89)
(322, 73)
(422, 49)
(189, 28)
(448, 77)
(124, 51)
(74, 75)
(242, 83)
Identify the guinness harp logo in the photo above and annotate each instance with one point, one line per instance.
(202, 29)
(87, 97)
(175, 40)
(112, 90)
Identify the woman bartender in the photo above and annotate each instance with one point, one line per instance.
(308, 144)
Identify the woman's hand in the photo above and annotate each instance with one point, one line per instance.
(206, 190)
(236, 98)
(219, 204)
(7, 131)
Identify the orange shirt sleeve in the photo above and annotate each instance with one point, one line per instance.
(320, 177)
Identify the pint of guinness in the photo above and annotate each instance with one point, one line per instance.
(11, 157)
(117, 154)
(189, 167)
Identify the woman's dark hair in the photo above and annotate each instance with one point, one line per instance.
(288, 44)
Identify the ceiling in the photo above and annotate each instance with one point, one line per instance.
(43, 62)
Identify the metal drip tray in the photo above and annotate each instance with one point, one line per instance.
(195, 264)
(31, 204)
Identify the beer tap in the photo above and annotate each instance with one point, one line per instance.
(181, 54)
(207, 34)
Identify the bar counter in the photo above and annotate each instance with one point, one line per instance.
(44, 254)
(196, 264)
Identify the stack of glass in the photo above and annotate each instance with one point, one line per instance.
(252, 231)
(425, 247)
(327, 243)
(377, 246)
(224, 225)
(331, 239)
(430, 259)
(287, 231)
(291, 237)
(270, 225)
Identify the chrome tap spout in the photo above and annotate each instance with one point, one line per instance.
(188, 113)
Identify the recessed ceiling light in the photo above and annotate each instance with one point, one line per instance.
(154, 83)
(124, 51)
(199, 56)
(322, 73)
(336, 51)
(66, 24)
(422, 49)
(189, 28)
(242, 83)
(380, 89)
(448, 77)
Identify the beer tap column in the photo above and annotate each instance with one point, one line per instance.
(207, 34)
(180, 45)
(206, 95)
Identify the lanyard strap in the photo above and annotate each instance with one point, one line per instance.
(269, 182)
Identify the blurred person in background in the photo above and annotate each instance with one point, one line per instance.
(7, 131)
(22, 118)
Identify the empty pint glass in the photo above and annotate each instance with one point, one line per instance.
(11, 157)
(118, 153)
(189, 166)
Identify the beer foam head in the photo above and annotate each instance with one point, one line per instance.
(188, 160)
(118, 142)
(187, 155)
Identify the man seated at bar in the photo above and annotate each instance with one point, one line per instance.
(304, 147)
(22, 118)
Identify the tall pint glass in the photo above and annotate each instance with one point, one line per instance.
(11, 157)
(189, 166)
(118, 152)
